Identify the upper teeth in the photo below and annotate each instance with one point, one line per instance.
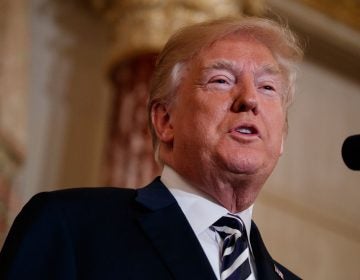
(244, 130)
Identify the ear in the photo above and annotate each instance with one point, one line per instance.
(160, 117)
(284, 134)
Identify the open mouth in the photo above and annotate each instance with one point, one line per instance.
(248, 130)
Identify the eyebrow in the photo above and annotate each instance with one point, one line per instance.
(270, 69)
(220, 65)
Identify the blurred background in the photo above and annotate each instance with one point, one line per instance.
(73, 83)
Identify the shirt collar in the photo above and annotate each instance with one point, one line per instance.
(200, 210)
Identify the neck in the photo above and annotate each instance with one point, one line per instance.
(235, 192)
(236, 195)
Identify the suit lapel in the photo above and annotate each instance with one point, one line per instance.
(169, 231)
(265, 265)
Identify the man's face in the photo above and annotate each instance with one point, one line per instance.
(227, 118)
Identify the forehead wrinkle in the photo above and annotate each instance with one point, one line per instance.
(269, 69)
(222, 64)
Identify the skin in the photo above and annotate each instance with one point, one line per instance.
(224, 132)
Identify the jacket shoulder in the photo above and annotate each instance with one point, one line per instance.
(81, 203)
(60, 221)
(78, 196)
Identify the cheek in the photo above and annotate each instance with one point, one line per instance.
(275, 123)
(206, 111)
(202, 117)
(201, 131)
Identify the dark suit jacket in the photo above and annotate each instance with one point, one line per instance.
(112, 233)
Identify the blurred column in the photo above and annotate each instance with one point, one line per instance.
(13, 99)
(141, 27)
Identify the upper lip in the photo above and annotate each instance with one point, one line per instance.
(248, 126)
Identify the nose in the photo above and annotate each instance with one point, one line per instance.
(245, 99)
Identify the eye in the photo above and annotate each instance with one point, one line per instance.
(219, 80)
(268, 87)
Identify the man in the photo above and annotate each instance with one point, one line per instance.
(218, 116)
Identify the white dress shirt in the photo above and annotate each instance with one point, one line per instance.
(202, 211)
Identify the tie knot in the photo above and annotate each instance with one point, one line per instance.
(229, 225)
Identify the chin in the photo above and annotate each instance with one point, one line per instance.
(244, 166)
(247, 160)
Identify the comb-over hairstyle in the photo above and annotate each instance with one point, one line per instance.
(189, 41)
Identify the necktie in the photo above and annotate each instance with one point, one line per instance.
(235, 262)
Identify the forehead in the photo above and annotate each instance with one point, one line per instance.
(236, 52)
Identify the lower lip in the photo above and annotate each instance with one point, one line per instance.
(244, 137)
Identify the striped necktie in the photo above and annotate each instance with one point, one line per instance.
(235, 254)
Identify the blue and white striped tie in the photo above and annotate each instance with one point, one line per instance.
(235, 254)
